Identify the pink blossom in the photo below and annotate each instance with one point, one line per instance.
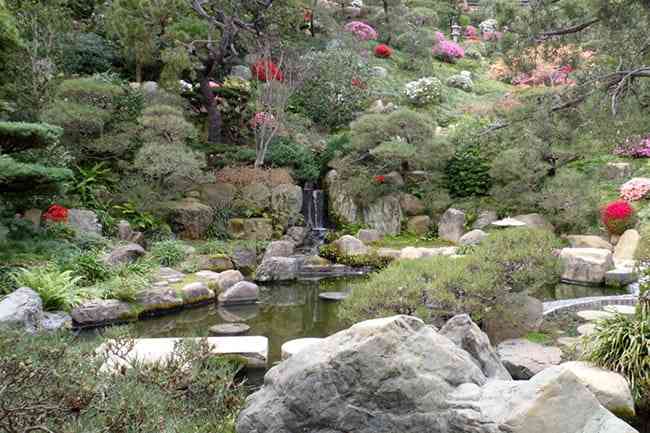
(448, 51)
(262, 118)
(492, 36)
(635, 189)
(635, 147)
(471, 32)
(362, 30)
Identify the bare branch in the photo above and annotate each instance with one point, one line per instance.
(568, 30)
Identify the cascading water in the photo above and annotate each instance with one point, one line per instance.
(315, 214)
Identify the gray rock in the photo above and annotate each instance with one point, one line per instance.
(286, 202)
(411, 205)
(195, 293)
(535, 220)
(419, 225)
(341, 205)
(297, 235)
(227, 279)
(189, 217)
(398, 375)
(379, 72)
(98, 312)
(158, 299)
(127, 234)
(588, 241)
(384, 215)
(333, 296)
(520, 315)
(84, 221)
(214, 262)
(485, 218)
(124, 254)
(253, 229)
(229, 329)
(473, 237)
(23, 309)
(277, 269)
(625, 250)
(617, 170)
(256, 196)
(585, 265)
(350, 246)
(242, 71)
(394, 178)
(621, 277)
(243, 292)
(508, 223)
(524, 359)
(465, 334)
(461, 82)
(451, 226)
(149, 87)
(245, 258)
(56, 320)
(279, 249)
(292, 347)
(368, 236)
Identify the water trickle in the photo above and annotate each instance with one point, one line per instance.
(315, 215)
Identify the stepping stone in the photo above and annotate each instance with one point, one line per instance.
(586, 329)
(627, 310)
(620, 277)
(292, 347)
(229, 329)
(333, 296)
(149, 350)
(593, 315)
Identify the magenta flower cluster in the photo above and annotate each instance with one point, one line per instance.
(362, 30)
(635, 147)
(448, 51)
(471, 32)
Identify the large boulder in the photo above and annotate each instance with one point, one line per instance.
(277, 269)
(473, 237)
(158, 299)
(451, 226)
(350, 246)
(279, 249)
(520, 314)
(243, 292)
(625, 250)
(524, 359)
(23, 309)
(368, 236)
(617, 170)
(256, 196)
(252, 229)
(419, 225)
(398, 375)
(485, 218)
(341, 205)
(214, 262)
(611, 389)
(588, 241)
(297, 235)
(189, 217)
(384, 215)
(411, 205)
(227, 279)
(124, 254)
(286, 203)
(245, 258)
(97, 312)
(84, 221)
(465, 334)
(535, 221)
(585, 265)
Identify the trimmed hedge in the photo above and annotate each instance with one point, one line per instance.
(21, 177)
(18, 136)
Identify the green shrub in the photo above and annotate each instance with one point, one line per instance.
(169, 253)
(89, 91)
(78, 120)
(170, 166)
(571, 201)
(17, 136)
(370, 260)
(58, 290)
(328, 96)
(62, 387)
(166, 124)
(468, 172)
(622, 344)
(88, 266)
(286, 153)
(23, 177)
(124, 288)
(86, 54)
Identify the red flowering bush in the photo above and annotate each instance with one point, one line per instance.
(360, 84)
(380, 179)
(383, 51)
(56, 213)
(617, 216)
(266, 70)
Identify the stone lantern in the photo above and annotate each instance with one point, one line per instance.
(455, 31)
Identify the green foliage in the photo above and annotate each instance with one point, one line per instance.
(622, 344)
(571, 201)
(467, 173)
(169, 253)
(86, 54)
(370, 260)
(89, 181)
(123, 287)
(437, 288)
(139, 220)
(21, 177)
(170, 166)
(78, 120)
(286, 153)
(58, 290)
(89, 266)
(18, 136)
(90, 91)
(63, 387)
(328, 96)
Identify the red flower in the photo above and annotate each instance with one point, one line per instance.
(56, 213)
(266, 70)
(380, 179)
(383, 51)
(359, 83)
(617, 216)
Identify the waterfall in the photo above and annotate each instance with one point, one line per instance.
(315, 214)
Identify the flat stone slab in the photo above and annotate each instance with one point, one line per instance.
(593, 315)
(292, 347)
(569, 342)
(149, 350)
(229, 329)
(333, 296)
(620, 277)
(523, 359)
(587, 329)
(627, 310)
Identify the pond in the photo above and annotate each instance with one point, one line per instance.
(284, 312)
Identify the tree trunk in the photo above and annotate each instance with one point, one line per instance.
(138, 70)
(214, 115)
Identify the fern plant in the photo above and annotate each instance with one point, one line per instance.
(58, 290)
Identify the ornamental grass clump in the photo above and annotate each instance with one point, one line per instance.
(618, 216)
(424, 91)
(361, 30)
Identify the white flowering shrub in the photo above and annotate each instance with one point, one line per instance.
(424, 91)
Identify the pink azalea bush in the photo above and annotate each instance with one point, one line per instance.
(362, 30)
(492, 36)
(448, 51)
(635, 147)
(545, 74)
(635, 189)
(471, 32)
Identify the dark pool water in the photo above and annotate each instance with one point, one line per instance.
(284, 312)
